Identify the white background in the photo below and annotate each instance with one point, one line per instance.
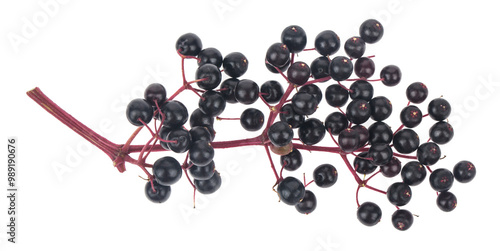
(92, 57)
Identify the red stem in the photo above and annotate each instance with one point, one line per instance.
(272, 164)
(404, 156)
(351, 169)
(375, 189)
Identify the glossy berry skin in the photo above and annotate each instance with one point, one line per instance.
(441, 180)
(411, 116)
(289, 116)
(364, 67)
(361, 89)
(199, 118)
(164, 131)
(275, 69)
(340, 68)
(363, 134)
(413, 173)
(291, 191)
(348, 140)
(304, 103)
(307, 204)
(439, 109)
(417, 92)
(202, 172)
(175, 113)
(291, 161)
(137, 110)
(246, 92)
(380, 153)
(319, 67)
(227, 90)
(182, 138)
(213, 75)
(280, 134)
(212, 103)
(201, 153)
(381, 108)
(441, 132)
(160, 193)
(428, 153)
(208, 186)
(406, 141)
(327, 43)
(188, 44)
(200, 132)
(325, 175)
(446, 201)
(369, 214)
(155, 92)
(298, 73)
(362, 165)
(399, 194)
(210, 56)
(336, 96)
(464, 171)
(294, 37)
(252, 119)
(391, 75)
(271, 91)
(358, 111)
(371, 31)
(402, 219)
(167, 171)
(235, 64)
(311, 131)
(278, 55)
(335, 122)
(380, 132)
(313, 90)
(392, 168)
(355, 47)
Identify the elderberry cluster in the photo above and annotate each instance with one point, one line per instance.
(377, 147)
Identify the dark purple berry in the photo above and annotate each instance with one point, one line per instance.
(369, 214)
(399, 194)
(402, 219)
(325, 175)
(411, 116)
(446, 201)
(291, 161)
(235, 64)
(439, 109)
(210, 185)
(167, 171)
(340, 68)
(371, 31)
(291, 191)
(390, 75)
(413, 173)
(327, 43)
(298, 73)
(417, 92)
(210, 56)
(294, 37)
(441, 180)
(307, 204)
(364, 67)
(188, 44)
(139, 110)
(441, 132)
(464, 171)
